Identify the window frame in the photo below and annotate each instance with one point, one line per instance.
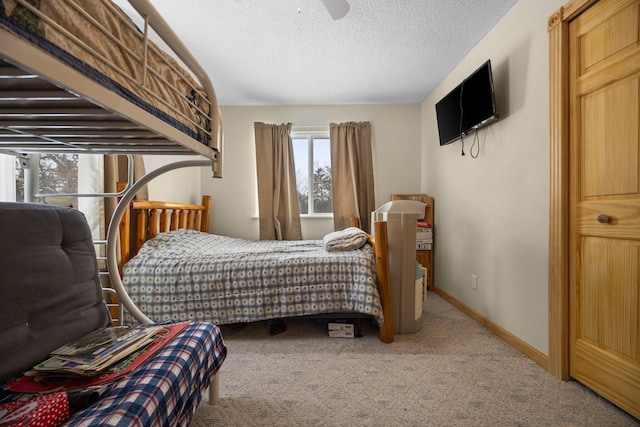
(310, 135)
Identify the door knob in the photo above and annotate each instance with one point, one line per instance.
(603, 219)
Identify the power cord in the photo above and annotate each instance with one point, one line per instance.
(476, 139)
(461, 116)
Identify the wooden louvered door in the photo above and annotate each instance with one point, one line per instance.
(604, 103)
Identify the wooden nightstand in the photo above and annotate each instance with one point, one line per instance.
(425, 259)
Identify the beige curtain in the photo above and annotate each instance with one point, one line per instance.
(277, 193)
(352, 173)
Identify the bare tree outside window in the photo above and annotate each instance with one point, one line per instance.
(322, 190)
(19, 181)
(58, 173)
(313, 174)
(303, 191)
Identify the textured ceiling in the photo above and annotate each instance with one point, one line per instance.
(291, 52)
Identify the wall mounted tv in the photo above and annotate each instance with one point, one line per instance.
(468, 107)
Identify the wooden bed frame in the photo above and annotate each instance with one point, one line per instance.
(144, 219)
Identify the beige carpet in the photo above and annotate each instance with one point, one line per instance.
(451, 373)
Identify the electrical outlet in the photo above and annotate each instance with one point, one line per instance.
(474, 282)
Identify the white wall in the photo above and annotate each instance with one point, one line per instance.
(491, 212)
(396, 147)
(180, 185)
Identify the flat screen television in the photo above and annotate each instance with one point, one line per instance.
(469, 106)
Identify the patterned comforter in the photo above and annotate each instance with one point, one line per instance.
(189, 275)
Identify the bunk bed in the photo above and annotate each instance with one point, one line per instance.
(174, 269)
(79, 77)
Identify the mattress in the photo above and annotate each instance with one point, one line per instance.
(189, 275)
(97, 39)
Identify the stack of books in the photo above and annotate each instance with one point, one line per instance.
(98, 358)
(94, 353)
(424, 236)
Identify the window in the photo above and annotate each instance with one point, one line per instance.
(57, 173)
(7, 178)
(312, 159)
(61, 174)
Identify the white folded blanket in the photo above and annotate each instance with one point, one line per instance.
(345, 240)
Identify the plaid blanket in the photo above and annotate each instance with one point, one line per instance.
(166, 390)
(189, 275)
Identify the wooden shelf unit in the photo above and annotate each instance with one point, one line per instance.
(424, 257)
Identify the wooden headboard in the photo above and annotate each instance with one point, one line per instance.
(144, 219)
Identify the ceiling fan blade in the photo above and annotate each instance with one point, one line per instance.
(336, 8)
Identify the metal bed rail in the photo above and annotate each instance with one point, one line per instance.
(151, 18)
(50, 106)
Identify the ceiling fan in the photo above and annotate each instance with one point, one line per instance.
(336, 8)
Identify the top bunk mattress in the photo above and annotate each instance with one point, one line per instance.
(98, 42)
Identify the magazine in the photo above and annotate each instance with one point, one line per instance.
(97, 341)
(93, 353)
(67, 378)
